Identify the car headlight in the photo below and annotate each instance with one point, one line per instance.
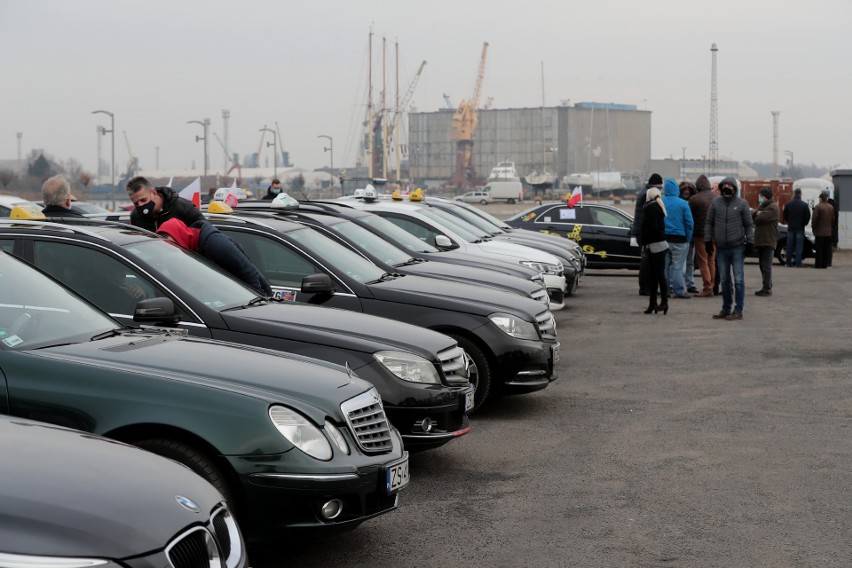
(300, 432)
(338, 438)
(28, 561)
(409, 367)
(514, 326)
(543, 267)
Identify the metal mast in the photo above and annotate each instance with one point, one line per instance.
(714, 118)
(226, 116)
(775, 114)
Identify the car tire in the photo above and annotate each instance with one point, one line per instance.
(483, 202)
(781, 252)
(480, 372)
(193, 459)
(511, 201)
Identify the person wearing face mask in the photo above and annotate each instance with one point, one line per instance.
(153, 206)
(273, 190)
(729, 225)
(765, 237)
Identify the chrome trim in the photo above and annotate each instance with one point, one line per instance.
(532, 373)
(214, 559)
(310, 476)
(236, 548)
(368, 423)
(454, 366)
(427, 437)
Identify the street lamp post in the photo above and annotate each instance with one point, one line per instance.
(274, 145)
(112, 141)
(330, 148)
(205, 125)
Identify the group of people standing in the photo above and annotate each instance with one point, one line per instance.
(686, 220)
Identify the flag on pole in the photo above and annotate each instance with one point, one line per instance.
(234, 185)
(576, 196)
(171, 179)
(192, 192)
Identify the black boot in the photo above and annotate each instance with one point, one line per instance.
(652, 308)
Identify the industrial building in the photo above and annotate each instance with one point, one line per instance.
(585, 137)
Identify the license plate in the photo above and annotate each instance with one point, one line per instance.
(396, 476)
(468, 400)
(555, 349)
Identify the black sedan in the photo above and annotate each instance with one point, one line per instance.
(420, 374)
(288, 441)
(72, 499)
(603, 231)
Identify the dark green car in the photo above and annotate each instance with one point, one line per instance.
(289, 441)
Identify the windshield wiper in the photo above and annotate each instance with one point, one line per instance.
(104, 335)
(411, 261)
(254, 301)
(383, 278)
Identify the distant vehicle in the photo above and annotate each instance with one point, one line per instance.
(510, 191)
(481, 197)
(72, 499)
(7, 202)
(87, 208)
(812, 187)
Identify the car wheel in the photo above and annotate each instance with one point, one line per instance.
(511, 201)
(781, 252)
(483, 202)
(191, 458)
(480, 372)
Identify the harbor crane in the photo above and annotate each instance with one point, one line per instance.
(464, 125)
(397, 116)
(133, 161)
(448, 103)
(235, 165)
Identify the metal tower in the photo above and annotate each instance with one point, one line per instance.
(775, 114)
(714, 118)
(226, 115)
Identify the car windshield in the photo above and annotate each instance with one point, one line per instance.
(461, 228)
(397, 234)
(485, 215)
(334, 254)
(371, 242)
(35, 311)
(473, 219)
(191, 273)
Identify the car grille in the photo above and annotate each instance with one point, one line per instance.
(546, 325)
(217, 545)
(540, 295)
(454, 366)
(366, 417)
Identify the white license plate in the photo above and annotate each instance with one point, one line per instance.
(396, 476)
(468, 400)
(555, 349)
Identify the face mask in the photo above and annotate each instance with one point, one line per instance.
(147, 209)
(728, 192)
(276, 190)
(761, 200)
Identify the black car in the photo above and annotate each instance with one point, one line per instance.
(288, 441)
(781, 247)
(511, 339)
(602, 231)
(71, 499)
(421, 375)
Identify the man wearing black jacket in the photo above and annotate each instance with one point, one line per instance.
(156, 205)
(797, 215)
(56, 195)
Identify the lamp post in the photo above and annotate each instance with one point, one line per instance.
(112, 141)
(274, 145)
(330, 148)
(205, 125)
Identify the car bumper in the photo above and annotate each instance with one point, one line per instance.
(429, 427)
(556, 288)
(522, 365)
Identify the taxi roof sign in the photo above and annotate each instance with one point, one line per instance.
(219, 207)
(26, 212)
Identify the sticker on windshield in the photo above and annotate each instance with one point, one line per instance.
(285, 295)
(12, 341)
(3, 333)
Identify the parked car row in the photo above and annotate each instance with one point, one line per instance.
(294, 412)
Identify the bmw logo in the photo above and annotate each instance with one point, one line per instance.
(188, 504)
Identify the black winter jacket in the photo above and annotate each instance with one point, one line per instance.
(796, 214)
(729, 223)
(653, 229)
(173, 206)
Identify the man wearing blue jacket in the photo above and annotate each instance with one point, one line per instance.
(678, 234)
(729, 225)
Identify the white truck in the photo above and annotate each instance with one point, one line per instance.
(510, 191)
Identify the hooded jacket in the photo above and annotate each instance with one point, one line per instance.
(678, 216)
(205, 239)
(729, 221)
(174, 206)
(699, 204)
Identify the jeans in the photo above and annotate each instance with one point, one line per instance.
(795, 242)
(732, 259)
(675, 265)
(689, 273)
(764, 255)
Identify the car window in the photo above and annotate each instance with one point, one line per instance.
(7, 245)
(100, 278)
(365, 240)
(279, 264)
(337, 255)
(422, 232)
(609, 219)
(565, 214)
(397, 234)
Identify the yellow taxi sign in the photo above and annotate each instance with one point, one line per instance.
(416, 195)
(219, 207)
(396, 196)
(26, 212)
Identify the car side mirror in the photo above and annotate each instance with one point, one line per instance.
(317, 284)
(443, 242)
(154, 311)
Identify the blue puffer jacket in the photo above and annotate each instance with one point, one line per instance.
(678, 215)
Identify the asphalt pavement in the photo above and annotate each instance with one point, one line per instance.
(669, 440)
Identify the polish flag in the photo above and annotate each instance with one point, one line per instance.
(576, 196)
(192, 192)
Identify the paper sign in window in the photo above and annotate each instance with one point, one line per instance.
(567, 214)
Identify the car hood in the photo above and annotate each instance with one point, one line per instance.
(558, 250)
(507, 250)
(68, 493)
(470, 274)
(244, 369)
(455, 296)
(508, 266)
(342, 329)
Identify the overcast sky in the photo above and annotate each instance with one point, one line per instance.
(303, 64)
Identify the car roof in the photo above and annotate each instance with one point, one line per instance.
(118, 233)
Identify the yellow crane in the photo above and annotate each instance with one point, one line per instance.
(464, 126)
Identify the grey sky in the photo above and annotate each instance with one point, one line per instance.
(159, 64)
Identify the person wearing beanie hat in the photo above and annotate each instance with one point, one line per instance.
(765, 237)
(699, 204)
(822, 222)
(208, 241)
(729, 229)
(635, 230)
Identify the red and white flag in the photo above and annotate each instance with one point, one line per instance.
(193, 192)
(576, 196)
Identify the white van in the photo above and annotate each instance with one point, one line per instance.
(511, 191)
(812, 187)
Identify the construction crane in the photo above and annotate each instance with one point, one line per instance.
(464, 125)
(397, 116)
(448, 104)
(235, 165)
(132, 162)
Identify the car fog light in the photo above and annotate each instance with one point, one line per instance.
(332, 509)
(424, 425)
